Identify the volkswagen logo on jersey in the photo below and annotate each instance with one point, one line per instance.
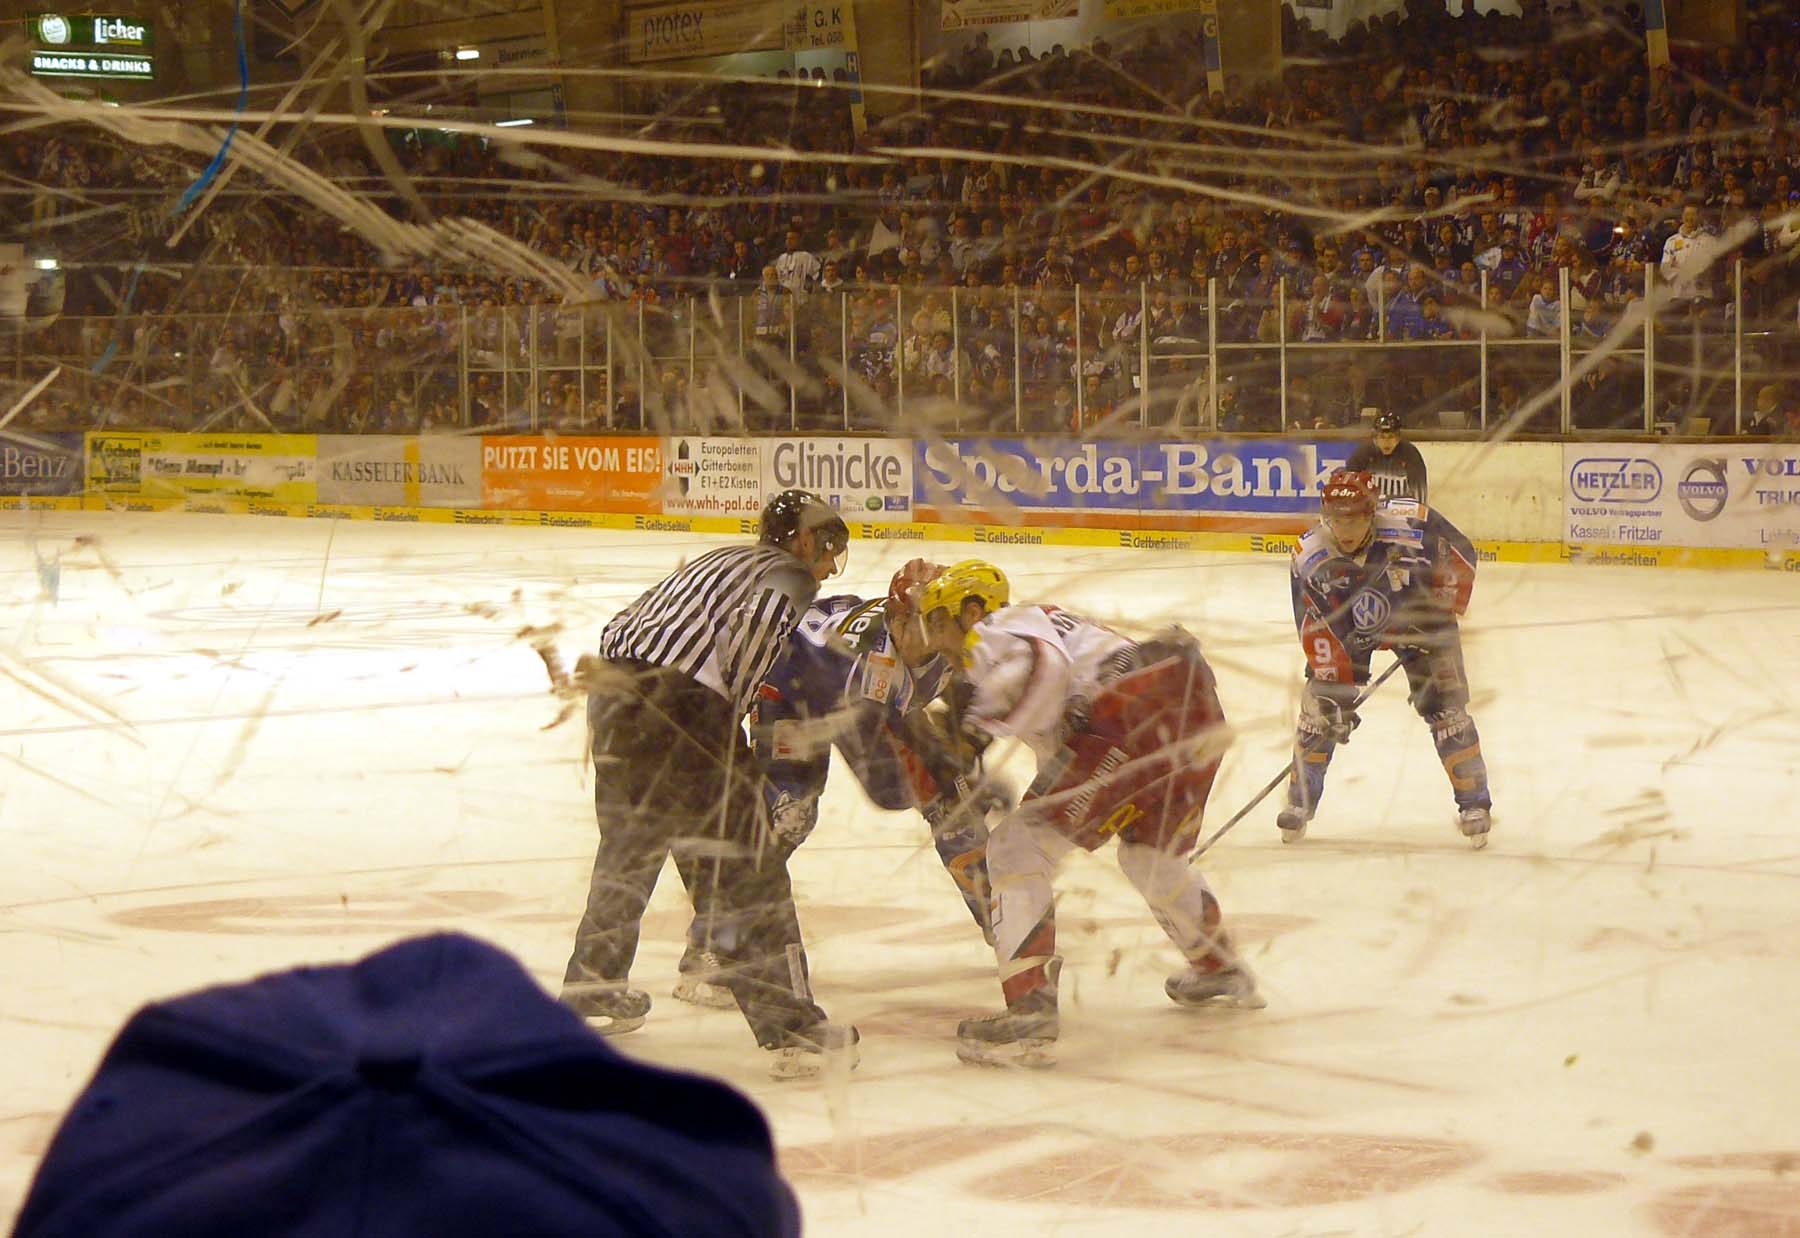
(1370, 610)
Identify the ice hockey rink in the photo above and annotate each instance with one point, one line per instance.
(232, 744)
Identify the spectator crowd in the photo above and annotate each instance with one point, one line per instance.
(1427, 179)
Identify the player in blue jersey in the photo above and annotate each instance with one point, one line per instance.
(1394, 577)
(857, 675)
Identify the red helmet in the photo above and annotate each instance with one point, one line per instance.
(1348, 492)
(903, 590)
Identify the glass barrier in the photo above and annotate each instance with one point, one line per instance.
(911, 359)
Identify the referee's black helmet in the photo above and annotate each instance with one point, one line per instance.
(793, 512)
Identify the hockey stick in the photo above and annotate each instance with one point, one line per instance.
(1286, 770)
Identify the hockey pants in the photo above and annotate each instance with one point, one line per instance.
(1141, 770)
(1023, 855)
(673, 775)
(1439, 691)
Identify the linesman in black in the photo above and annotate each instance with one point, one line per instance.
(673, 772)
(1395, 464)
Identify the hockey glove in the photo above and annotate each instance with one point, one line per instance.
(1076, 717)
(969, 800)
(1172, 642)
(943, 749)
(792, 818)
(1337, 716)
(991, 794)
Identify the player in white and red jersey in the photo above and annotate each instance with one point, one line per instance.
(1128, 737)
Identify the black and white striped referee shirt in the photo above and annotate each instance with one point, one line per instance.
(722, 619)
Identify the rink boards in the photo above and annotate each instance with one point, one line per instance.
(1626, 504)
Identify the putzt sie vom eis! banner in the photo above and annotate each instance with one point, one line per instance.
(1743, 496)
(616, 474)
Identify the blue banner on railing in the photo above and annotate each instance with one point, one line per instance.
(36, 462)
(1250, 477)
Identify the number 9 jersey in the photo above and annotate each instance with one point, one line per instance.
(1407, 585)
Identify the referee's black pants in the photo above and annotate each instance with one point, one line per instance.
(674, 774)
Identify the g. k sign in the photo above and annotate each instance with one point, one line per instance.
(821, 27)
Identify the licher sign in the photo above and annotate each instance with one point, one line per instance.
(86, 64)
(103, 32)
(92, 45)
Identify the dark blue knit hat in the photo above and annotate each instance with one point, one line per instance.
(431, 1089)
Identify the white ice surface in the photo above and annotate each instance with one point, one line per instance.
(1590, 1028)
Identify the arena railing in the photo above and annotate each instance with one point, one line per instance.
(908, 359)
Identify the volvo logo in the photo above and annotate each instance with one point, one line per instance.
(1702, 489)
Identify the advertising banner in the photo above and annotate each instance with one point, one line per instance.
(1114, 9)
(568, 474)
(1743, 496)
(963, 14)
(831, 26)
(712, 477)
(703, 28)
(15, 284)
(868, 479)
(40, 463)
(380, 470)
(1196, 484)
(278, 467)
(815, 27)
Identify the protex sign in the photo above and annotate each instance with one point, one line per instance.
(1705, 495)
(702, 28)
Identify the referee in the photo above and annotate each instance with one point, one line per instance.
(1395, 464)
(673, 772)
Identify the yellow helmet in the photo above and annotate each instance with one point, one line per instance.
(972, 578)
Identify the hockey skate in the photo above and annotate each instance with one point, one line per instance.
(1231, 988)
(810, 1051)
(1474, 823)
(610, 1006)
(698, 984)
(1291, 821)
(1023, 1034)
